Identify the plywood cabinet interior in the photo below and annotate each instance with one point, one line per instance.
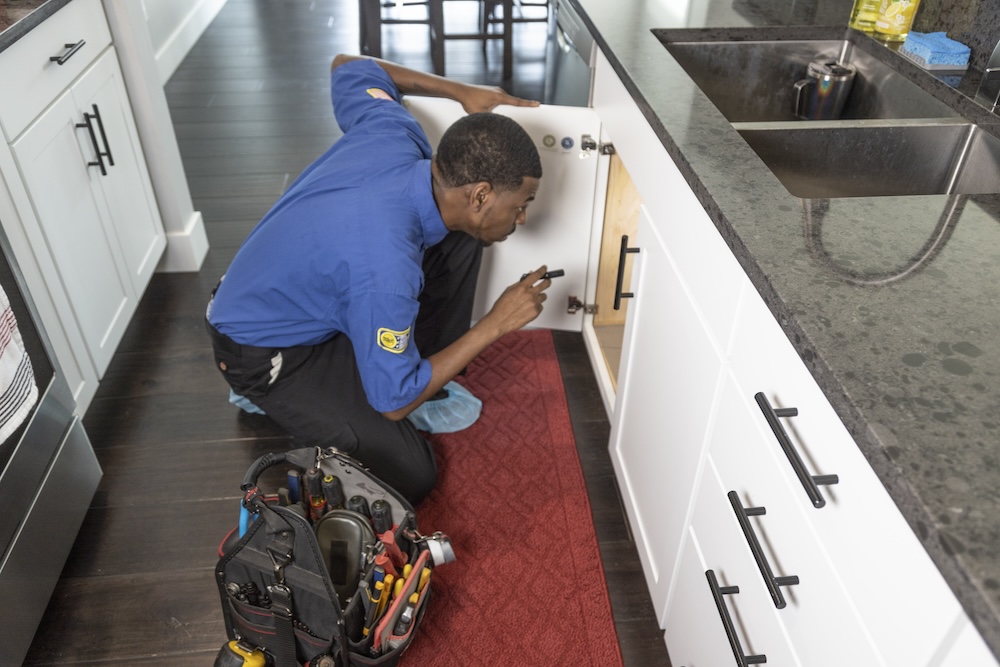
(621, 219)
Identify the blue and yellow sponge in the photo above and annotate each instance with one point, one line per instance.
(935, 50)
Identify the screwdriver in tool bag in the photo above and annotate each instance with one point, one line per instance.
(381, 516)
(359, 504)
(313, 481)
(333, 491)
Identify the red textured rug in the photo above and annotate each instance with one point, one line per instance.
(528, 586)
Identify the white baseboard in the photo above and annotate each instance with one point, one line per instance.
(600, 366)
(186, 249)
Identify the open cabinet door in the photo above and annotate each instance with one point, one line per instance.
(558, 230)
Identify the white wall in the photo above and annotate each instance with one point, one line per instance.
(174, 27)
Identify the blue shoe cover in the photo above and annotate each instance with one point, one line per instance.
(244, 403)
(459, 410)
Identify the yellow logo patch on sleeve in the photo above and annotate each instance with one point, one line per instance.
(379, 94)
(393, 341)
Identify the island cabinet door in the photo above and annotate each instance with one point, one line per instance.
(560, 220)
(55, 156)
(126, 188)
(83, 166)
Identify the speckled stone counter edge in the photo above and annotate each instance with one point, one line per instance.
(29, 22)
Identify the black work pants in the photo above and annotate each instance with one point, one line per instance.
(317, 396)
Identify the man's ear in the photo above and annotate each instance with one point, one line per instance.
(479, 195)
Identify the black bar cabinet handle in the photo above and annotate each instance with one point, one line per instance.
(809, 482)
(104, 135)
(619, 295)
(99, 162)
(72, 49)
(727, 622)
(772, 582)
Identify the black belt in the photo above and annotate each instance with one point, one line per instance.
(224, 343)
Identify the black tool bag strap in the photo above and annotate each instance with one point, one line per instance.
(282, 609)
(281, 551)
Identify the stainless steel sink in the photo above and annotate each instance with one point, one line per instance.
(838, 159)
(753, 80)
(893, 137)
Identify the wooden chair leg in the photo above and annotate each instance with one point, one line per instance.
(371, 27)
(485, 14)
(508, 33)
(435, 9)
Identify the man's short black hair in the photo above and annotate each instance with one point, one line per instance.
(487, 147)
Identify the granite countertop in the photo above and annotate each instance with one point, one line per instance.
(18, 17)
(910, 364)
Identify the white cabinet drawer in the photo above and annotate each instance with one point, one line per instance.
(899, 594)
(968, 649)
(26, 66)
(816, 612)
(694, 630)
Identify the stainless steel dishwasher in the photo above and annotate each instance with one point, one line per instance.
(48, 469)
(569, 58)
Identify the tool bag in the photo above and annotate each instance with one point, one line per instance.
(331, 574)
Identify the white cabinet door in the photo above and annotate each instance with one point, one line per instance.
(666, 388)
(126, 188)
(558, 229)
(74, 226)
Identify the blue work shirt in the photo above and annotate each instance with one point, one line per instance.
(341, 251)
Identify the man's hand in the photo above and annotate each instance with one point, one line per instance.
(519, 304)
(472, 97)
(476, 98)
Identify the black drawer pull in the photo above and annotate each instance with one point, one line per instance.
(619, 294)
(809, 482)
(104, 135)
(727, 621)
(71, 50)
(772, 582)
(88, 122)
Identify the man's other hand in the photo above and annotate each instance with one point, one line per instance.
(486, 98)
(520, 303)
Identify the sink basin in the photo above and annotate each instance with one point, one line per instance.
(893, 138)
(834, 159)
(752, 80)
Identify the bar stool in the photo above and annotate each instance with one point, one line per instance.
(483, 33)
(372, 19)
(508, 20)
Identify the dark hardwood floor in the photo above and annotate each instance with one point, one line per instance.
(251, 108)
